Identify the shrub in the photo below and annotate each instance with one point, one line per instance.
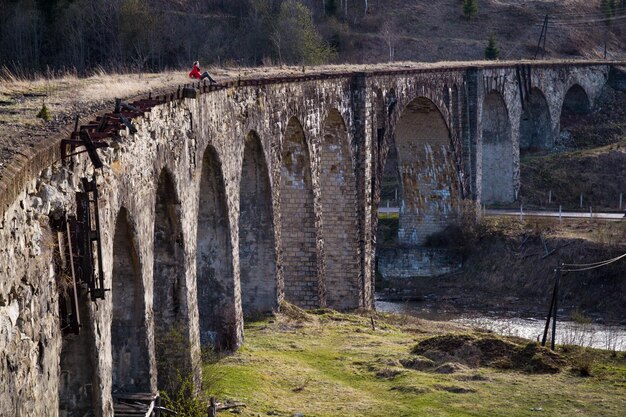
(44, 113)
(184, 401)
(582, 364)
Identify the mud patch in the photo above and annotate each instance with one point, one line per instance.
(454, 389)
(455, 352)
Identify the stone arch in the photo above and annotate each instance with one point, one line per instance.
(575, 102)
(129, 340)
(257, 249)
(535, 124)
(497, 152)
(427, 169)
(214, 266)
(297, 217)
(171, 331)
(76, 379)
(338, 200)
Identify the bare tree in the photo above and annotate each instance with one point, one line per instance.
(389, 33)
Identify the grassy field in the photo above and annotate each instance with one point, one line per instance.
(331, 364)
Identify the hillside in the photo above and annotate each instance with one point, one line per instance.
(132, 35)
(592, 164)
(432, 31)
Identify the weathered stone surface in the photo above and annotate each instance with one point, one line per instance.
(173, 254)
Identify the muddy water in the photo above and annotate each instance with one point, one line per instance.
(595, 335)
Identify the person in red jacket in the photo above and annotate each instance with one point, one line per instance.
(195, 73)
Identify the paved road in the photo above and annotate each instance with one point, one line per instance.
(534, 213)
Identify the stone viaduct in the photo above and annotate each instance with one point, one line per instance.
(222, 205)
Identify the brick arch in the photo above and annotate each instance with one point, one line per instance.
(497, 151)
(214, 267)
(257, 253)
(338, 202)
(129, 339)
(433, 94)
(535, 131)
(297, 217)
(575, 102)
(169, 294)
(427, 170)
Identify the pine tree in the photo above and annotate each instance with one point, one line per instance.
(470, 8)
(492, 51)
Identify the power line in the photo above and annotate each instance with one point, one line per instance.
(594, 265)
(585, 22)
(588, 14)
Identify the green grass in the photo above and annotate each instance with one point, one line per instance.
(388, 216)
(336, 365)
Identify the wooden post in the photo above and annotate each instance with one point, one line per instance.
(212, 408)
(556, 304)
(547, 327)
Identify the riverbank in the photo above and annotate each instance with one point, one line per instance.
(509, 264)
(325, 363)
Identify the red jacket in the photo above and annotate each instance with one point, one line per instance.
(195, 72)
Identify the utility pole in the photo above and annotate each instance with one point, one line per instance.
(554, 304)
(543, 36)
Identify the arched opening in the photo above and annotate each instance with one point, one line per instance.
(497, 155)
(129, 341)
(169, 291)
(575, 103)
(76, 379)
(535, 125)
(428, 173)
(257, 253)
(338, 197)
(215, 283)
(297, 219)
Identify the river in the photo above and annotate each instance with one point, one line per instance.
(583, 333)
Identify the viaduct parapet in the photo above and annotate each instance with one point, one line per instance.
(227, 202)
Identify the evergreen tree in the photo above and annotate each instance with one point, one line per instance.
(492, 51)
(610, 8)
(331, 7)
(470, 8)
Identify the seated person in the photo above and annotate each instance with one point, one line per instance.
(195, 73)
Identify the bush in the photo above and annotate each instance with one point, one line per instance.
(184, 401)
(44, 113)
(582, 364)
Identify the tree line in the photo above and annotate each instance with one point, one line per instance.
(80, 35)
